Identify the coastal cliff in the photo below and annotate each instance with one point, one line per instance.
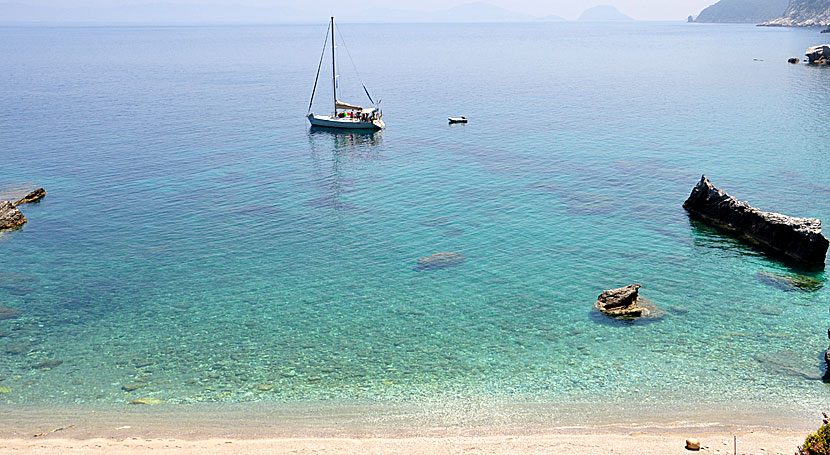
(803, 13)
(743, 11)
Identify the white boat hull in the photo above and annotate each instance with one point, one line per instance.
(327, 121)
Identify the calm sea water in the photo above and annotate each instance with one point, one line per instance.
(199, 241)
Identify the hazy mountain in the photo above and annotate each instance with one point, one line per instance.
(804, 13)
(603, 13)
(743, 11)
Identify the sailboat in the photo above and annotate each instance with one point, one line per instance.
(346, 115)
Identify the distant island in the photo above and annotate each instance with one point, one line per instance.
(743, 11)
(603, 13)
(782, 13)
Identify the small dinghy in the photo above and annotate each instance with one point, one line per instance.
(461, 119)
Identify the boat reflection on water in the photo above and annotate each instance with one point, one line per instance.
(345, 140)
(335, 154)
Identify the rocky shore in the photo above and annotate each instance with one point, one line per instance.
(798, 238)
(10, 216)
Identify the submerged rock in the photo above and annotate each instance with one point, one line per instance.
(788, 363)
(146, 401)
(34, 196)
(19, 348)
(789, 282)
(626, 303)
(10, 217)
(133, 386)
(818, 54)
(798, 238)
(8, 313)
(47, 364)
(440, 261)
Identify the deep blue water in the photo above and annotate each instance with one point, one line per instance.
(199, 239)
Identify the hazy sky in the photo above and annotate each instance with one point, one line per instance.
(570, 9)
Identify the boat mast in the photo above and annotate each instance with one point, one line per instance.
(333, 69)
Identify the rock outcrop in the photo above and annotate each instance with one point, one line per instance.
(798, 238)
(34, 196)
(794, 60)
(440, 261)
(819, 55)
(743, 11)
(626, 303)
(827, 360)
(803, 13)
(10, 217)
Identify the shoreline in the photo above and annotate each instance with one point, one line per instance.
(574, 428)
(772, 443)
(331, 419)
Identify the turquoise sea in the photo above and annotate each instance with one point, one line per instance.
(200, 244)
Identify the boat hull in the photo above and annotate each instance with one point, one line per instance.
(344, 123)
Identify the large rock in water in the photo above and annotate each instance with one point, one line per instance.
(33, 196)
(626, 303)
(10, 217)
(798, 238)
(819, 54)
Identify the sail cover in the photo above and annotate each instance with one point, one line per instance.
(342, 105)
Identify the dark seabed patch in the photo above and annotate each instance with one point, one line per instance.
(789, 282)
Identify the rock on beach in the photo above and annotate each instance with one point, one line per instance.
(798, 238)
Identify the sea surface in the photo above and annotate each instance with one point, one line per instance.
(199, 243)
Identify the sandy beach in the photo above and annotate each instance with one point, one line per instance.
(490, 429)
(562, 443)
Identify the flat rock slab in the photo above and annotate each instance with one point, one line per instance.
(798, 238)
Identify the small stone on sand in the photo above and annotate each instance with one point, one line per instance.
(692, 444)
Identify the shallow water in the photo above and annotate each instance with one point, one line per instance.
(199, 241)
